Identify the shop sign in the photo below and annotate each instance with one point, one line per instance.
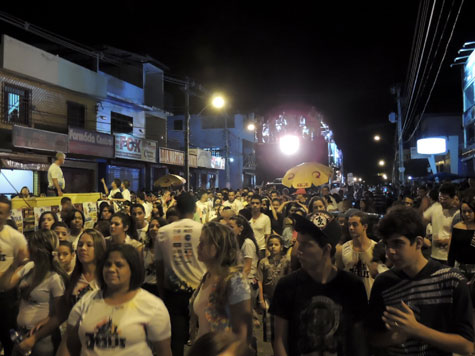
(7, 163)
(174, 157)
(203, 157)
(193, 161)
(129, 147)
(90, 143)
(218, 162)
(26, 137)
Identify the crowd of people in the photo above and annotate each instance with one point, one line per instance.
(346, 271)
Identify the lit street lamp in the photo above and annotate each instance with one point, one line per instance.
(381, 163)
(218, 102)
(377, 138)
(251, 127)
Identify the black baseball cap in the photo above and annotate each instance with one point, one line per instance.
(321, 226)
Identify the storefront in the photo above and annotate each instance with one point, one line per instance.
(207, 169)
(174, 160)
(85, 151)
(18, 172)
(33, 168)
(135, 158)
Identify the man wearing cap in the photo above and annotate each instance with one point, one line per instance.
(56, 183)
(318, 309)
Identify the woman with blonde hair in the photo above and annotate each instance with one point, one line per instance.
(42, 283)
(222, 302)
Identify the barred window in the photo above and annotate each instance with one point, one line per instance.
(16, 104)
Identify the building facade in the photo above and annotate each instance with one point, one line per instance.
(109, 124)
(222, 140)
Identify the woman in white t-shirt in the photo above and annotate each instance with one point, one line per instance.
(42, 284)
(125, 189)
(222, 302)
(115, 185)
(123, 231)
(248, 246)
(120, 318)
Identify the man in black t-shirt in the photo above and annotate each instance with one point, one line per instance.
(318, 309)
(419, 307)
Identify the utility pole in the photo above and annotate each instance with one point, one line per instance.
(187, 135)
(226, 160)
(400, 139)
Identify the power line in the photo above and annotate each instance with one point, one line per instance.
(438, 71)
(419, 66)
(418, 34)
(409, 115)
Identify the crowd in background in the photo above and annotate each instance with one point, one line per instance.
(125, 285)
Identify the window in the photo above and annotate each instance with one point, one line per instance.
(470, 134)
(216, 122)
(17, 105)
(76, 114)
(121, 123)
(178, 125)
(215, 151)
(133, 175)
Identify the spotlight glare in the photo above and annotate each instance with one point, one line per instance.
(289, 144)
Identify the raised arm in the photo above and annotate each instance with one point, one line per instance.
(105, 186)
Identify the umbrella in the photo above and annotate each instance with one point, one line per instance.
(168, 180)
(307, 174)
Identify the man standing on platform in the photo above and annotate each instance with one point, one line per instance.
(56, 183)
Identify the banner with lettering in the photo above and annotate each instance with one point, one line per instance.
(90, 143)
(130, 147)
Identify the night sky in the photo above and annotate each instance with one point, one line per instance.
(341, 58)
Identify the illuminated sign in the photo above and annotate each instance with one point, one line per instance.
(431, 146)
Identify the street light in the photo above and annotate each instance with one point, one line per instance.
(251, 127)
(381, 163)
(385, 177)
(377, 138)
(218, 102)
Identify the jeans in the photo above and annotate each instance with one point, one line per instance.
(177, 304)
(9, 303)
